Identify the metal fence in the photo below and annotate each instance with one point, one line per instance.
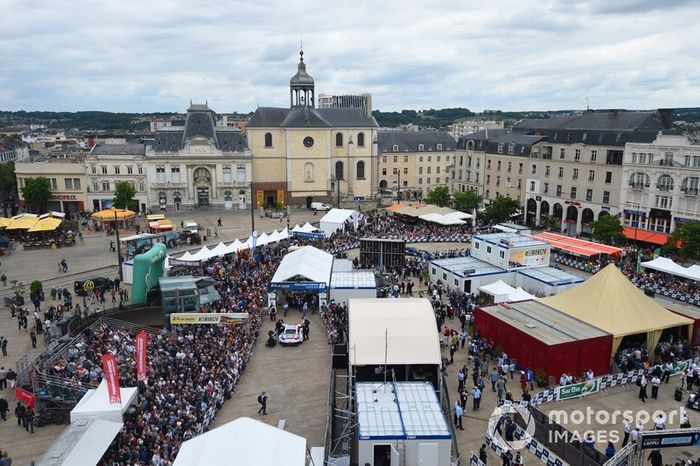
(564, 443)
(447, 410)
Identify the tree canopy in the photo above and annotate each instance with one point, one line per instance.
(8, 184)
(124, 196)
(466, 201)
(548, 222)
(608, 230)
(37, 192)
(439, 196)
(501, 209)
(685, 240)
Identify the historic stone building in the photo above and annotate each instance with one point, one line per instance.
(108, 164)
(200, 165)
(302, 154)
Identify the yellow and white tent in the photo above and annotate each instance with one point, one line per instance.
(609, 301)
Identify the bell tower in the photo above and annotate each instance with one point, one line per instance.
(301, 86)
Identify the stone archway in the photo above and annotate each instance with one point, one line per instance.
(558, 214)
(603, 213)
(202, 184)
(587, 218)
(571, 220)
(530, 212)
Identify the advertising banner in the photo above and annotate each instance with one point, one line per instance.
(577, 390)
(25, 397)
(141, 351)
(298, 286)
(671, 439)
(109, 366)
(206, 318)
(537, 256)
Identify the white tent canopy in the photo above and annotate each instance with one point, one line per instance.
(459, 215)
(442, 219)
(406, 326)
(81, 444)
(336, 219)
(499, 290)
(308, 262)
(220, 250)
(243, 442)
(520, 295)
(95, 404)
(663, 264)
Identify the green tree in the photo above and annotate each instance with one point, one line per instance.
(466, 201)
(439, 196)
(124, 196)
(8, 184)
(548, 222)
(608, 230)
(685, 240)
(501, 209)
(36, 192)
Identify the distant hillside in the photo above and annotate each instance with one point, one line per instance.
(433, 118)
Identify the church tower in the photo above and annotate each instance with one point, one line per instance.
(301, 86)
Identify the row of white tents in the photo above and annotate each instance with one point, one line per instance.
(666, 265)
(222, 249)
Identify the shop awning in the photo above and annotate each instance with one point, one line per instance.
(24, 222)
(645, 236)
(576, 246)
(4, 222)
(45, 224)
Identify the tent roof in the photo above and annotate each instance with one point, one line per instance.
(338, 215)
(411, 339)
(4, 222)
(666, 265)
(576, 246)
(520, 295)
(82, 443)
(612, 303)
(497, 288)
(311, 263)
(45, 224)
(97, 401)
(442, 219)
(243, 442)
(24, 222)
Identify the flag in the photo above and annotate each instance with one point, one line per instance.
(141, 350)
(109, 365)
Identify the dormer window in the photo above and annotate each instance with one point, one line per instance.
(395, 148)
(421, 147)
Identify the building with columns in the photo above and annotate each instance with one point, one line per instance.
(575, 173)
(660, 182)
(302, 154)
(108, 164)
(198, 165)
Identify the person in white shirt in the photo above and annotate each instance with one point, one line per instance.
(655, 382)
(563, 379)
(685, 422)
(589, 374)
(628, 429)
(635, 435)
(660, 422)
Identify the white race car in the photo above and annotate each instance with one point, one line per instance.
(291, 335)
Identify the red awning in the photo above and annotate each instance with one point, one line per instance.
(576, 246)
(645, 236)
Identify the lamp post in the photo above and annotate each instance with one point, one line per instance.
(119, 249)
(252, 209)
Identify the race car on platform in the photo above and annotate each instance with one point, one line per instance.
(291, 335)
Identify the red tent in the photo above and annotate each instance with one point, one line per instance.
(540, 337)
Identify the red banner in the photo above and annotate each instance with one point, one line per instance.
(141, 350)
(25, 397)
(109, 365)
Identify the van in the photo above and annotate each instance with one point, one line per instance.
(319, 206)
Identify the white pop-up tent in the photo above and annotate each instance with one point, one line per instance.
(243, 442)
(95, 404)
(499, 290)
(82, 443)
(520, 295)
(337, 219)
(666, 265)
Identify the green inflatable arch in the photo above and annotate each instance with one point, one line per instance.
(148, 268)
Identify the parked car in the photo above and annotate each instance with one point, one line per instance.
(315, 206)
(291, 335)
(83, 287)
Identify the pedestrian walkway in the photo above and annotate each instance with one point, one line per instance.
(295, 378)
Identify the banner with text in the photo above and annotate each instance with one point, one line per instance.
(109, 365)
(578, 389)
(141, 351)
(207, 318)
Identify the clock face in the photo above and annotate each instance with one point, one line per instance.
(308, 141)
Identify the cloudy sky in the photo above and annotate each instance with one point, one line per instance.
(156, 55)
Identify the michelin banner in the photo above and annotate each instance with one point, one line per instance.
(530, 257)
(206, 318)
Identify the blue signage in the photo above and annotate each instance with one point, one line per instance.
(298, 286)
(359, 198)
(311, 236)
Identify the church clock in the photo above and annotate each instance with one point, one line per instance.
(308, 141)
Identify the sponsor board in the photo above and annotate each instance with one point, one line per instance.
(298, 286)
(578, 390)
(204, 318)
(670, 439)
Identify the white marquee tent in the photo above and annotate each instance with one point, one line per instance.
(308, 262)
(520, 295)
(663, 264)
(337, 219)
(243, 442)
(95, 404)
(222, 249)
(307, 228)
(499, 290)
(442, 219)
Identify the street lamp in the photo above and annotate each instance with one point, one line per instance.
(119, 249)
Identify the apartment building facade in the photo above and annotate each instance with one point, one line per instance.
(660, 183)
(66, 179)
(414, 162)
(108, 164)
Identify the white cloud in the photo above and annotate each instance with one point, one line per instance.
(506, 54)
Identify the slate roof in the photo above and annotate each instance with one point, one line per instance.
(609, 128)
(408, 141)
(307, 117)
(200, 124)
(119, 149)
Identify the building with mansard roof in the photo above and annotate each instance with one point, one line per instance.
(199, 165)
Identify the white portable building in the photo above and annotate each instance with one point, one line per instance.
(355, 284)
(82, 443)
